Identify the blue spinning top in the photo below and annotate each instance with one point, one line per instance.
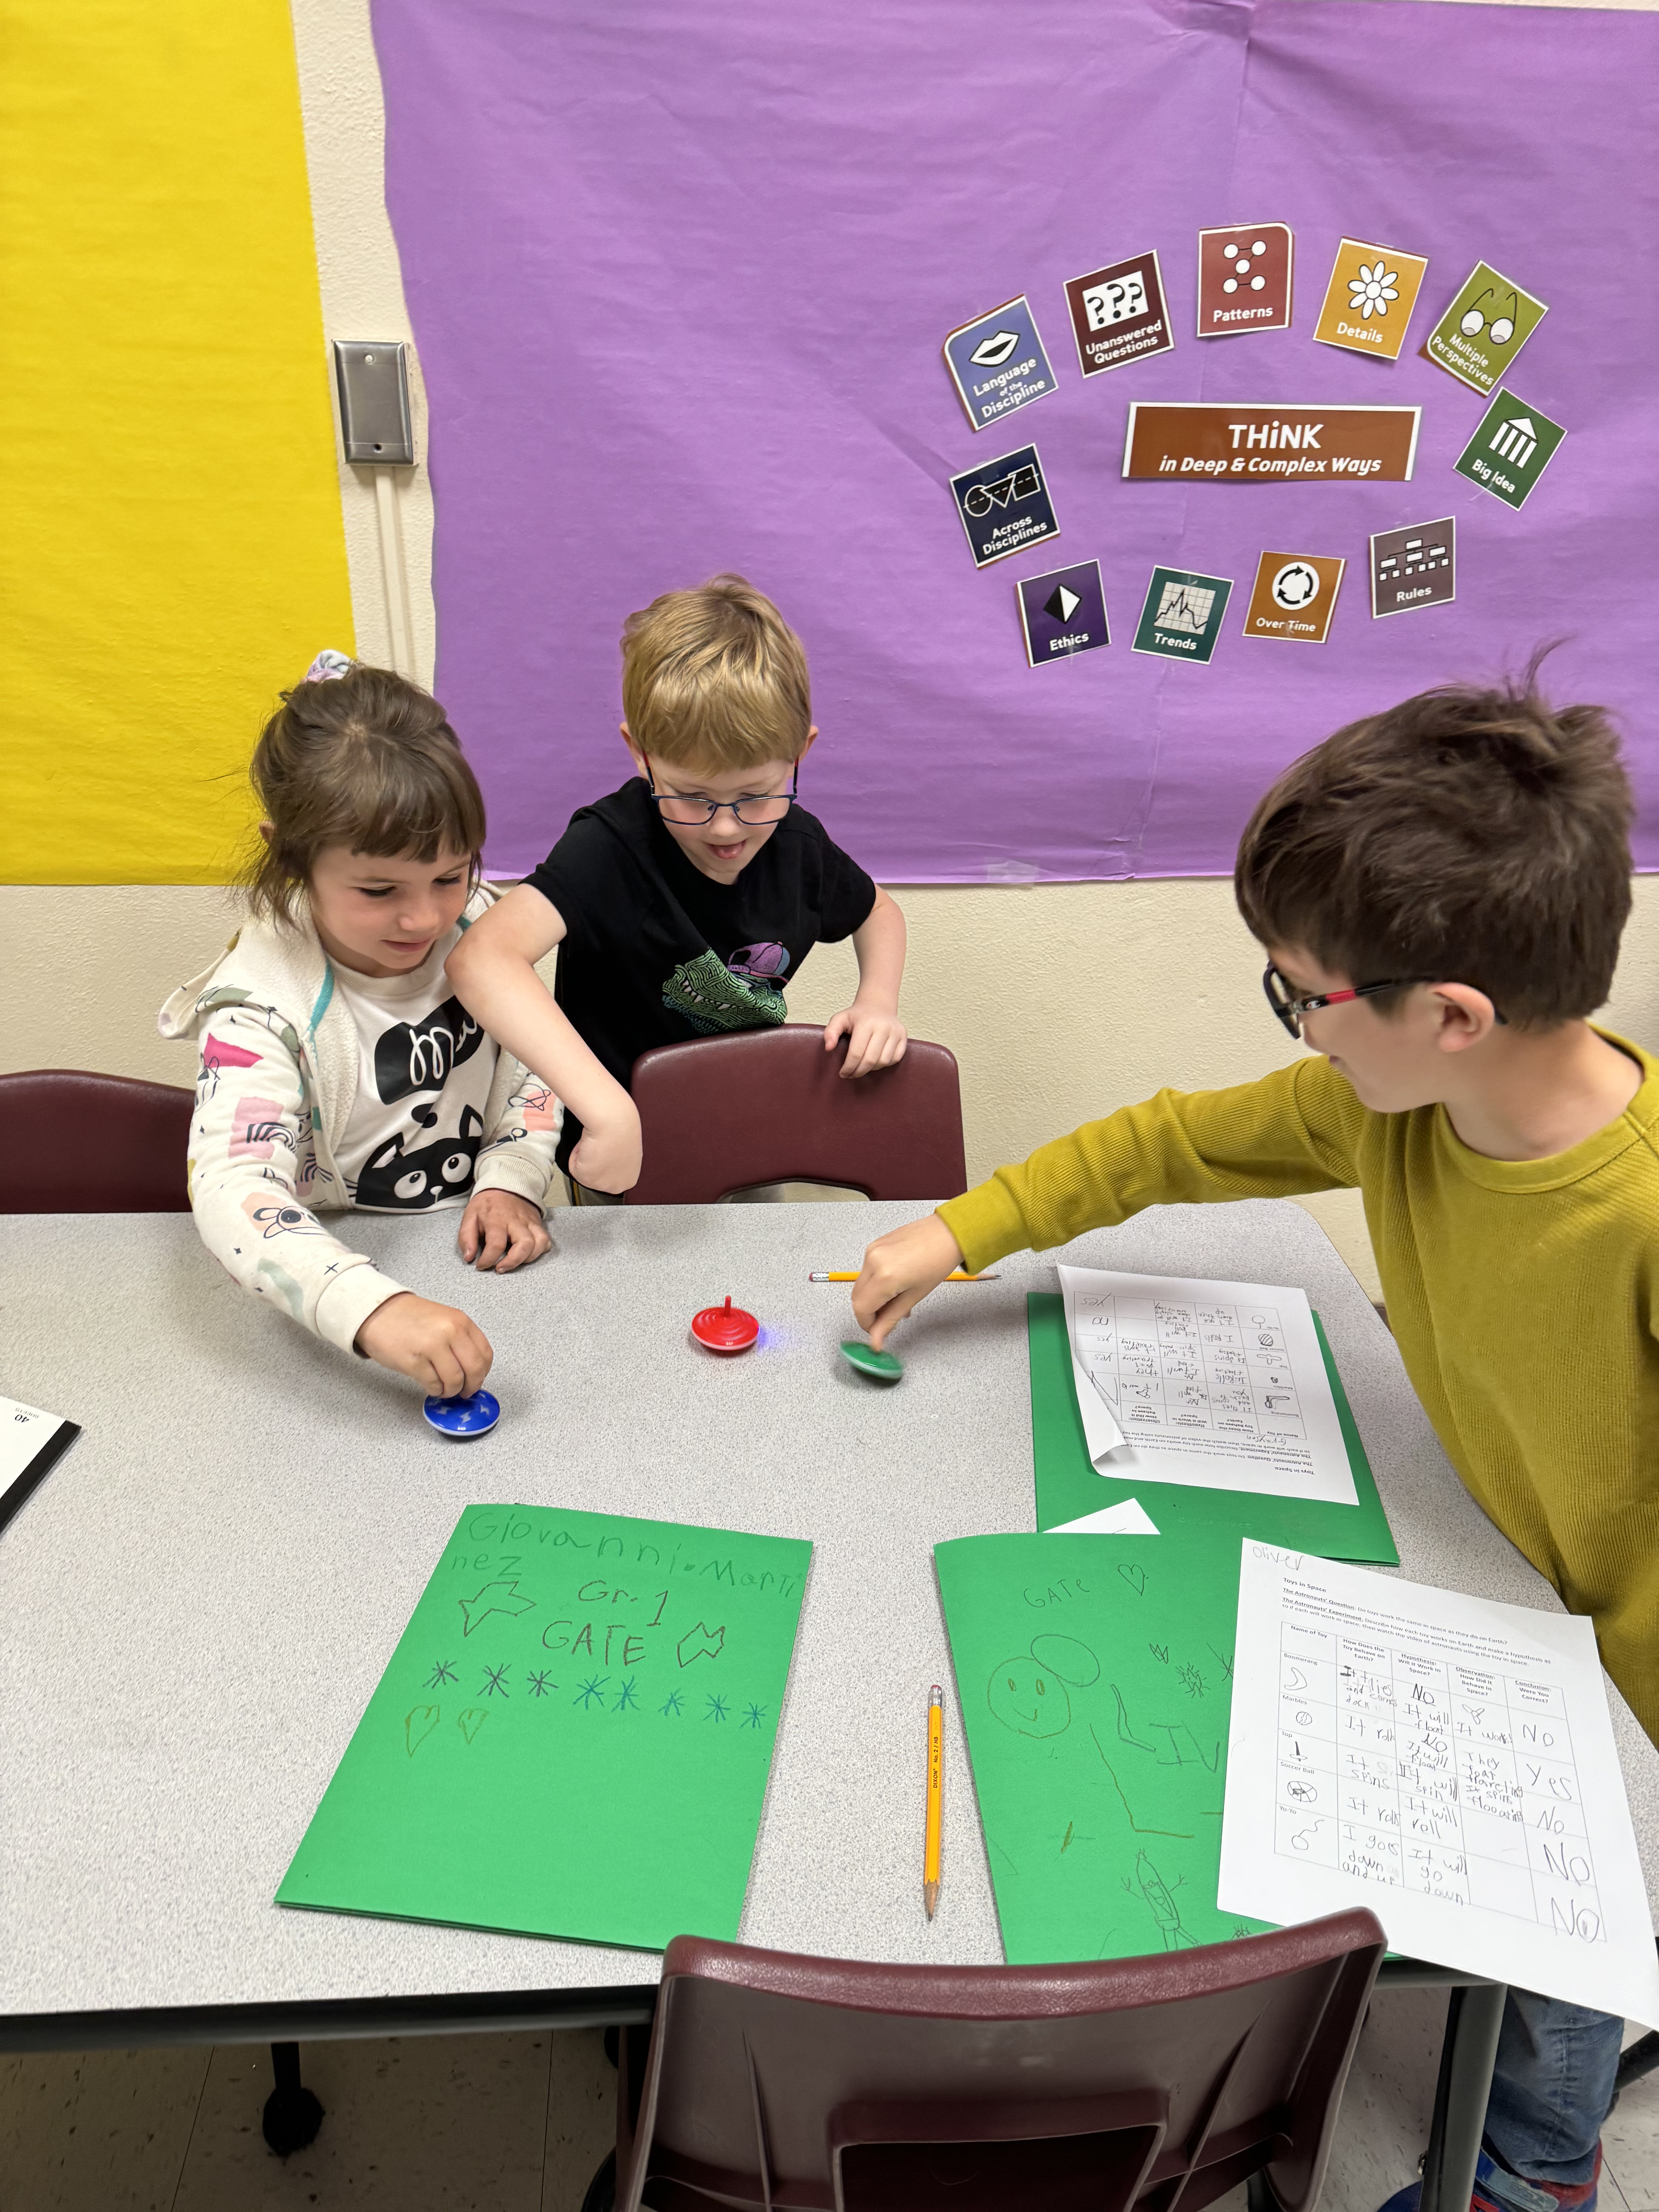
(463, 1417)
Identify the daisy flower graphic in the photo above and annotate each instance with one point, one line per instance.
(1369, 292)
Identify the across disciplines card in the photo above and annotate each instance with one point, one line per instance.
(1510, 450)
(1005, 506)
(573, 1736)
(997, 362)
(1370, 298)
(1245, 279)
(1294, 597)
(1484, 329)
(1063, 613)
(1182, 616)
(1414, 568)
(1119, 314)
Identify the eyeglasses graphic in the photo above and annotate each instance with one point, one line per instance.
(1502, 328)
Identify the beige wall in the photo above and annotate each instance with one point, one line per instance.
(1060, 1000)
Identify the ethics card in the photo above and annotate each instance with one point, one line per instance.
(1510, 450)
(1062, 613)
(1484, 329)
(1119, 314)
(1245, 279)
(1370, 298)
(1005, 506)
(997, 362)
(1182, 615)
(1413, 568)
(1294, 597)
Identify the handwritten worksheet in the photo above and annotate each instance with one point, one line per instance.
(1217, 1385)
(1446, 1761)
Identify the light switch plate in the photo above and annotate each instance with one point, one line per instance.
(373, 379)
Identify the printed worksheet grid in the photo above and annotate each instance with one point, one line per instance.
(1221, 1368)
(1401, 1767)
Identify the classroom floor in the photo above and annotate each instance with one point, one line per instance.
(519, 2123)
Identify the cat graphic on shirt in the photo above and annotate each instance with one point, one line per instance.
(400, 1181)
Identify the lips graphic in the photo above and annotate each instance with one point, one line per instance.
(990, 353)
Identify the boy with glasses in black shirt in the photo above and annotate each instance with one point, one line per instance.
(681, 902)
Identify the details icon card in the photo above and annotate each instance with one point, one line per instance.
(1182, 615)
(1119, 314)
(1484, 329)
(997, 362)
(1005, 506)
(1294, 597)
(1062, 613)
(1370, 298)
(1510, 450)
(1413, 568)
(1245, 279)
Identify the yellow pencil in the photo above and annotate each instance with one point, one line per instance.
(957, 1275)
(935, 1798)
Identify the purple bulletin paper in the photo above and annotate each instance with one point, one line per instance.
(680, 278)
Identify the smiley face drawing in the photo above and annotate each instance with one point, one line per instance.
(1029, 1693)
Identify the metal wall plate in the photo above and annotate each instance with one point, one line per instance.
(372, 379)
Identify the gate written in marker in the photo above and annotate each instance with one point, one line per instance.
(1269, 444)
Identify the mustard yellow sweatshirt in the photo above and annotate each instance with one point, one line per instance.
(1523, 1294)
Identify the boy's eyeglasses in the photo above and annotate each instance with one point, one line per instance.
(753, 811)
(1290, 1009)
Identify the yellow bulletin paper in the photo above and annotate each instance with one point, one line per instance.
(1370, 298)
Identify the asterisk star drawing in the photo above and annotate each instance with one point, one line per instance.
(753, 1716)
(539, 1685)
(591, 1692)
(443, 1672)
(674, 1702)
(626, 1699)
(493, 1682)
(716, 1709)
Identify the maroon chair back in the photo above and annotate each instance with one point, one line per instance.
(779, 2082)
(72, 1142)
(771, 1106)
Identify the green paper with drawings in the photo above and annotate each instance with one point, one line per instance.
(1095, 1679)
(573, 1736)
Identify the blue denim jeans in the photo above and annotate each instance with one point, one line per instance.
(1551, 2089)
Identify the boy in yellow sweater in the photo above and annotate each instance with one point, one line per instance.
(1440, 890)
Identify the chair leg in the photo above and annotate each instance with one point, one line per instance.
(293, 2114)
(1474, 2017)
(1259, 2195)
(602, 2190)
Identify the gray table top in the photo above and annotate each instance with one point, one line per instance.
(197, 1604)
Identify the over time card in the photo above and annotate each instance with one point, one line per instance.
(1294, 597)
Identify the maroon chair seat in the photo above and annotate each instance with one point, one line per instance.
(771, 1106)
(777, 2082)
(72, 1142)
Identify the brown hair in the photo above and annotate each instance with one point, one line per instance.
(1467, 835)
(715, 678)
(366, 760)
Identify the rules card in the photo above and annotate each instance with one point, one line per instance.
(1413, 568)
(1119, 314)
(1063, 613)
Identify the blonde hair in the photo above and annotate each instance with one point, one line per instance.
(715, 678)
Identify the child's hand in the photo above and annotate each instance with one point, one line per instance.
(873, 1039)
(609, 1153)
(899, 1270)
(501, 1230)
(436, 1346)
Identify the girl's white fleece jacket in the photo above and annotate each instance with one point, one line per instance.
(279, 1063)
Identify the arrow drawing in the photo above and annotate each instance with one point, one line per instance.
(493, 1597)
(700, 1643)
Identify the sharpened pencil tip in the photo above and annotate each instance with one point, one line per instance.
(930, 1897)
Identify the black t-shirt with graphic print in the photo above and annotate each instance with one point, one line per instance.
(655, 952)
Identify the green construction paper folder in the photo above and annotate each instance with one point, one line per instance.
(573, 1736)
(1095, 1679)
(1068, 1486)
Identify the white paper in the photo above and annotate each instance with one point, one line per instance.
(1128, 1517)
(1446, 1761)
(23, 1430)
(1220, 1385)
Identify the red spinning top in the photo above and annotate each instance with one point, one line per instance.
(724, 1328)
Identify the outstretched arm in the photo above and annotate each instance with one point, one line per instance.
(875, 1034)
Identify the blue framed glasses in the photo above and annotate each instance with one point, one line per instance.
(754, 810)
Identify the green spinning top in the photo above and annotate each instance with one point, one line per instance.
(881, 1365)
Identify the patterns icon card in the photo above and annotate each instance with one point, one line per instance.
(1370, 298)
(997, 362)
(1413, 568)
(1510, 450)
(1245, 279)
(1294, 597)
(1063, 613)
(1182, 615)
(1484, 329)
(1005, 506)
(1119, 313)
